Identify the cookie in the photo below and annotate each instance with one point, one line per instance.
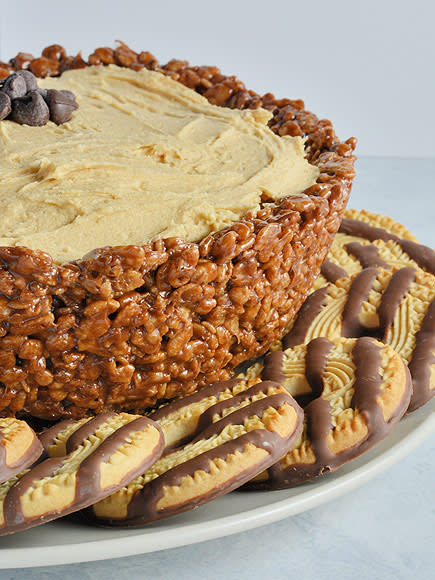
(103, 455)
(395, 307)
(180, 419)
(368, 240)
(235, 439)
(19, 447)
(358, 389)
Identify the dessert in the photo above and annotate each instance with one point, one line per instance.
(19, 447)
(103, 454)
(396, 307)
(144, 157)
(365, 240)
(131, 325)
(358, 390)
(240, 436)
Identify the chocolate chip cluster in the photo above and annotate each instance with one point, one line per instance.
(22, 101)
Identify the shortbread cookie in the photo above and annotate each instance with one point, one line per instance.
(178, 419)
(358, 390)
(237, 438)
(395, 307)
(380, 221)
(182, 418)
(19, 447)
(368, 240)
(103, 455)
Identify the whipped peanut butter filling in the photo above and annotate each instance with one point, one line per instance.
(142, 158)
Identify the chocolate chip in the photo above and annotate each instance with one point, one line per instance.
(5, 106)
(43, 93)
(62, 104)
(14, 86)
(69, 95)
(30, 110)
(31, 82)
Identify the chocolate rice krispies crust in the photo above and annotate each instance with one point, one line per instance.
(134, 325)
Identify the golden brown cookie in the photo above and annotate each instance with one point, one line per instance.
(19, 447)
(103, 455)
(357, 389)
(366, 240)
(180, 419)
(235, 439)
(395, 307)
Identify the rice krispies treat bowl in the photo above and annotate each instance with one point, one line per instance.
(129, 326)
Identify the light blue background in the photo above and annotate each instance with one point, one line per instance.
(366, 65)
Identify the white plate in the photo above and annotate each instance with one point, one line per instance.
(66, 542)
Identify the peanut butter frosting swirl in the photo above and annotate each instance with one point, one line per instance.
(142, 158)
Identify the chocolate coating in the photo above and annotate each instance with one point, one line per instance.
(422, 255)
(88, 489)
(211, 390)
(368, 256)
(48, 436)
(30, 455)
(272, 370)
(333, 272)
(143, 509)
(367, 386)
(422, 359)
(398, 286)
(358, 293)
(306, 316)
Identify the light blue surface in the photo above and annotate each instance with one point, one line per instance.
(384, 530)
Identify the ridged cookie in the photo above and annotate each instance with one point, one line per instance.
(235, 440)
(395, 307)
(182, 418)
(19, 447)
(358, 390)
(368, 240)
(103, 455)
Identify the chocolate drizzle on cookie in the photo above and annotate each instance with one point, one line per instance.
(88, 488)
(144, 507)
(28, 457)
(49, 436)
(333, 272)
(367, 387)
(272, 370)
(212, 390)
(310, 309)
(422, 359)
(315, 363)
(368, 256)
(368, 382)
(358, 293)
(397, 288)
(422, 255)
(206, 419)
(85, 431)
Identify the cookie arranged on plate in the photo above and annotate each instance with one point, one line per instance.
(19, 447)
(395, 307)
(103, 455)
(366, 240)
(235, 439)
(358, 389)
